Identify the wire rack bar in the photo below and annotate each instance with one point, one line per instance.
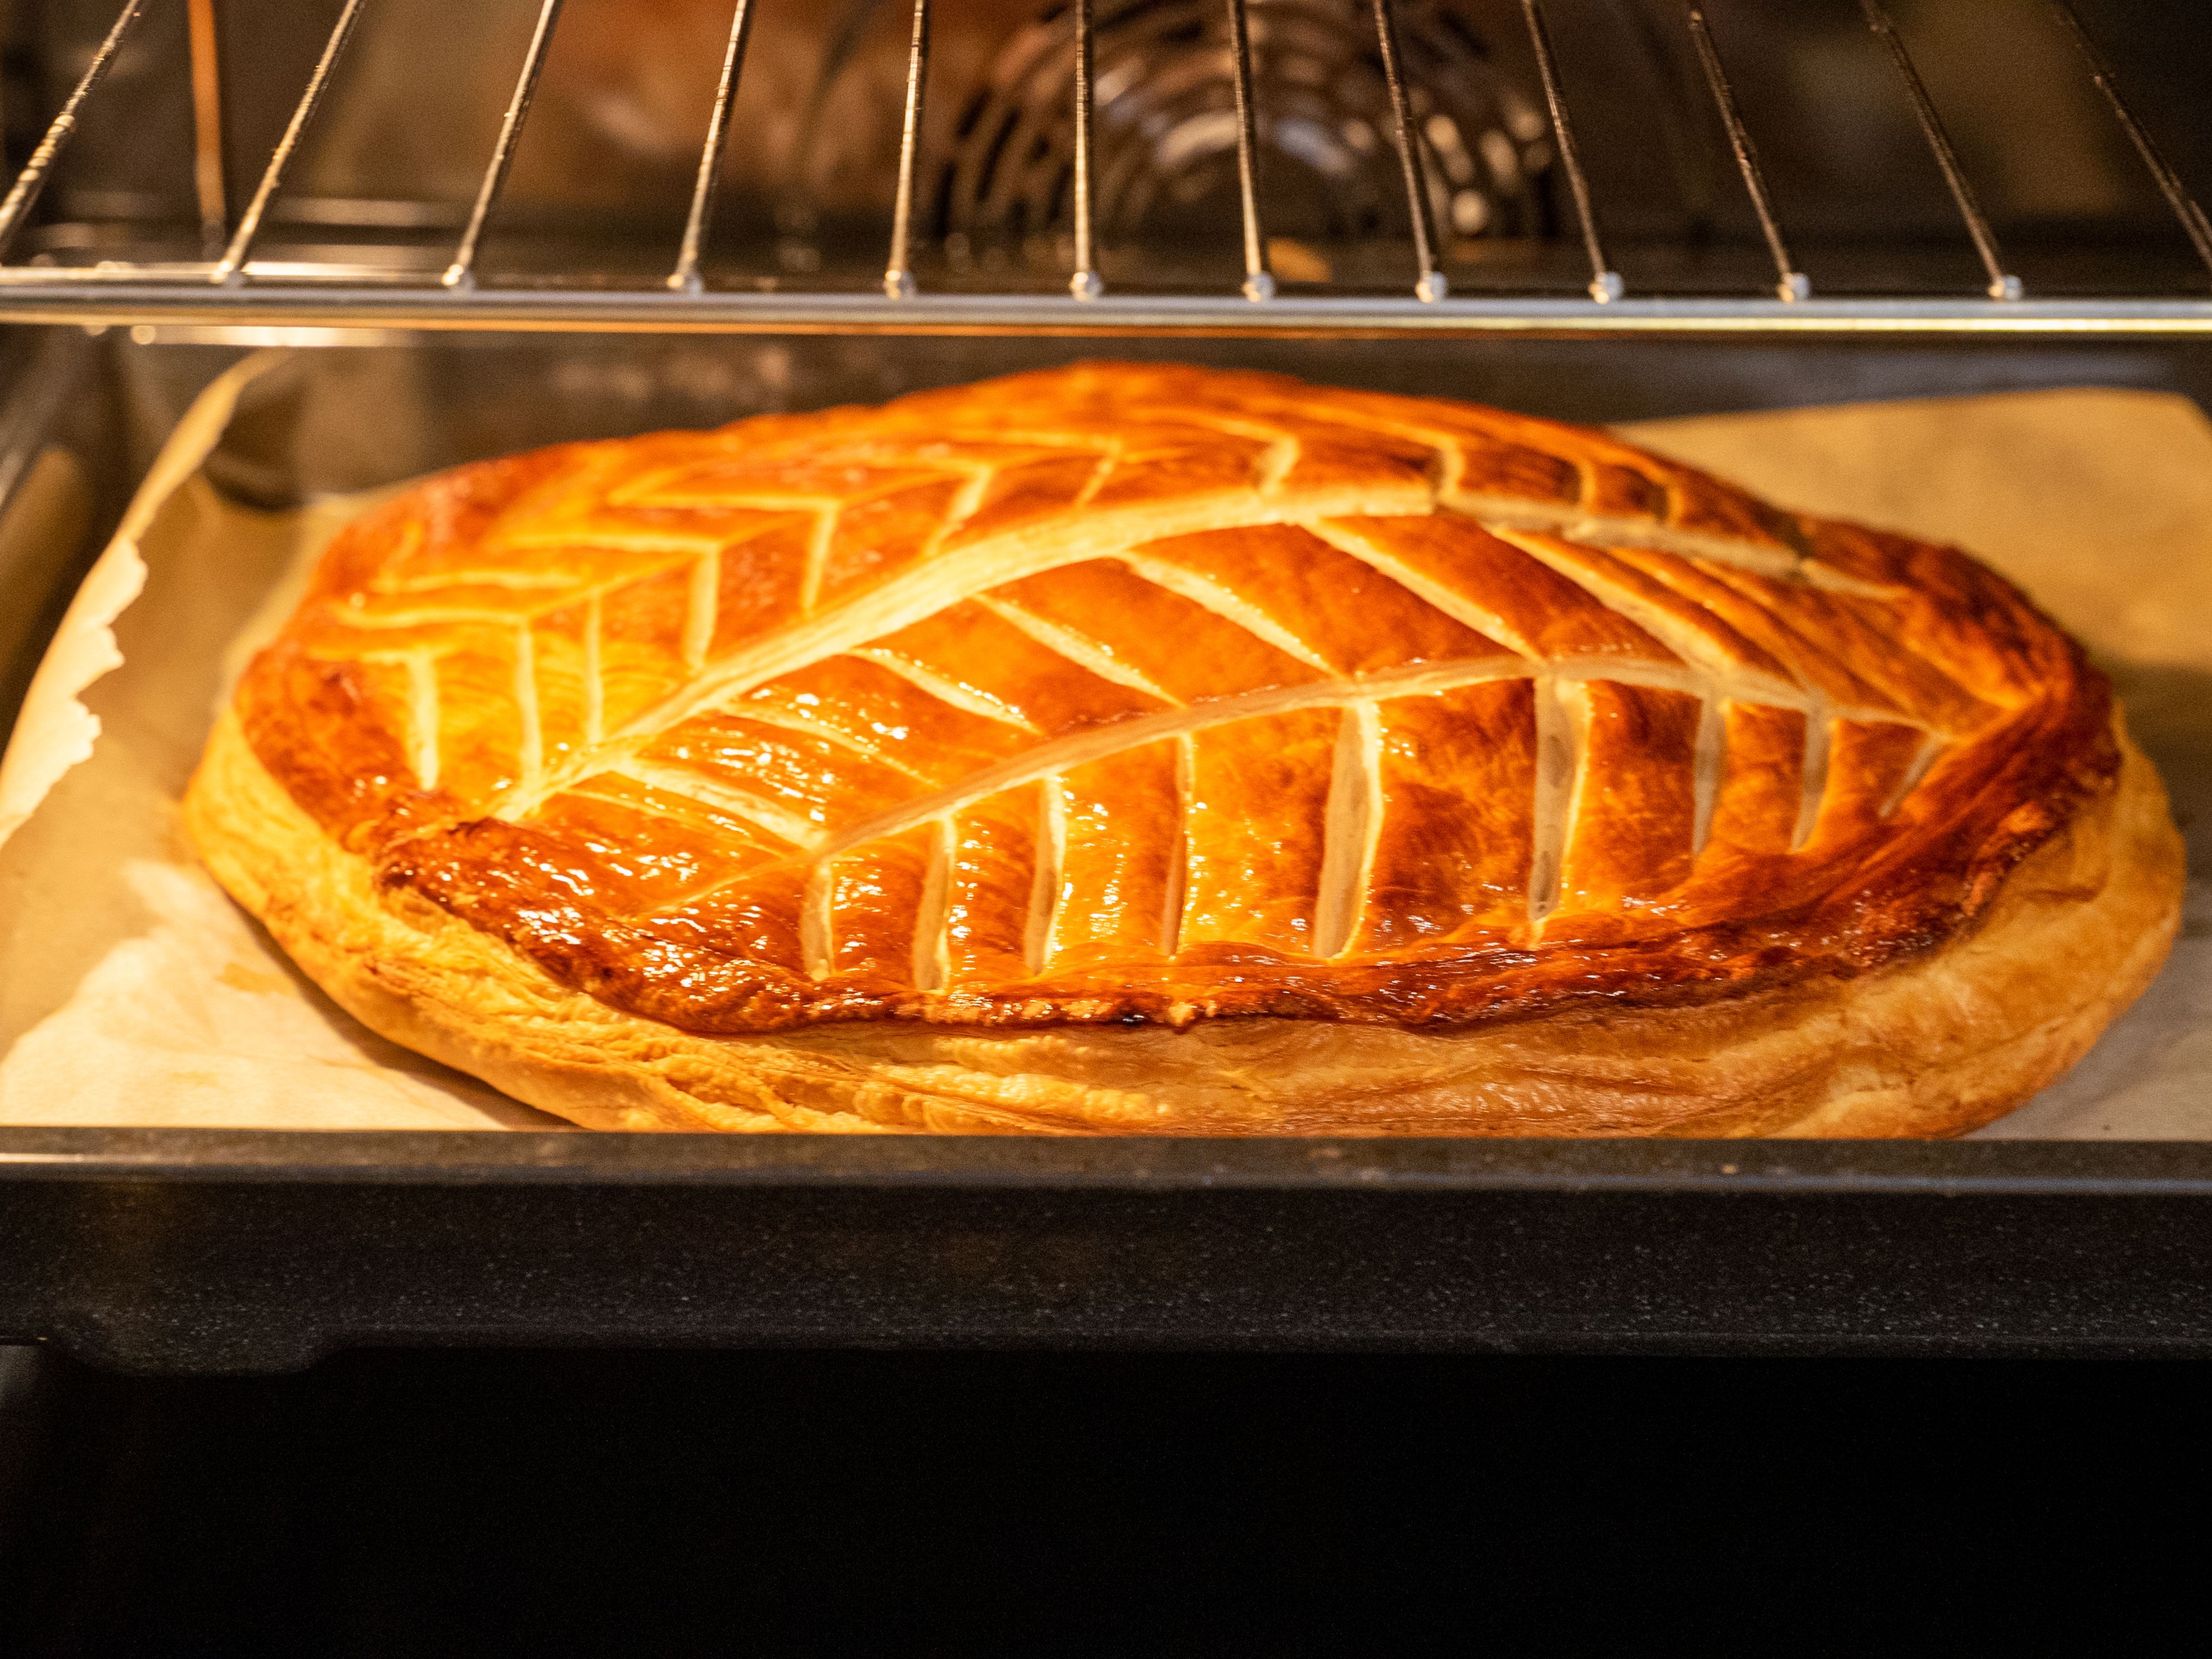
(209, 190)
(1605, 283)
(2003, 284)
(1789, 284)
(2187, 208)
(898, 273)
(24, 196)
(685, 277)
(1429, 283)
(462, 271)
(231, 267)
(1259, 280)
(1084, 284)
(272, 310)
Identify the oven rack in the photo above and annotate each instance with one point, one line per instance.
(232, 287)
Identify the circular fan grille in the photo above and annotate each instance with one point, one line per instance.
(1165, 127)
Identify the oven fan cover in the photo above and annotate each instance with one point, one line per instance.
(1166, 130)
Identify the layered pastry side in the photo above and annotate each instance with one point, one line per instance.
(1154, 750)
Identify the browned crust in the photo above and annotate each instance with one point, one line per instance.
(1935, 1044)
(2041, 756)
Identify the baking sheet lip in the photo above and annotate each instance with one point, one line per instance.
(467, 1158)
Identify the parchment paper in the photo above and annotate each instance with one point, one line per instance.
(133, 992)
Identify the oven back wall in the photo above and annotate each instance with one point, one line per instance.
(350, 417)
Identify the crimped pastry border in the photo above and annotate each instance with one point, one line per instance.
(1935, 1045)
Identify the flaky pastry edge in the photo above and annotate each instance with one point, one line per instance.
(1935, 1045)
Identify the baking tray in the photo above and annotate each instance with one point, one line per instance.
(208, 1249)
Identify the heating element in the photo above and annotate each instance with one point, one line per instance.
(228, 285)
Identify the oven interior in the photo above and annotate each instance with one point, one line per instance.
(483, 227)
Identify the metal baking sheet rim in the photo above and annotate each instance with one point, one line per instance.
(441, 1158)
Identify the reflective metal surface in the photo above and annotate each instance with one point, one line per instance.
(104, 298)
(1100, 143)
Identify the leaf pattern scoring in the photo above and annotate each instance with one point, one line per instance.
(1123, 693)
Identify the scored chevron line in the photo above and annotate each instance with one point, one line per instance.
(1924, 761)
(1712, 758)
(1558, 773)
(1186, 776)
(1813, 777)
(1352, 828)
(933, 950)
(422, 716)
(1048, 884)
(948, 692)
(1080, 649)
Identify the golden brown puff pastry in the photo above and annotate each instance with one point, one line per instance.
(1149, 749)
